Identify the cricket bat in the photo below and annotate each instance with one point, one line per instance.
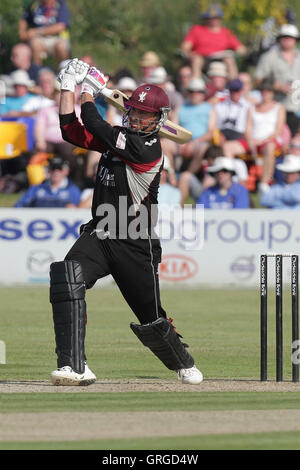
(169, 130)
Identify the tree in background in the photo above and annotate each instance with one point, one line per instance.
(118, 32)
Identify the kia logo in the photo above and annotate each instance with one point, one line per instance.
(177, 268)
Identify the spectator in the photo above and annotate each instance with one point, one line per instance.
(45, 27)
(294, 147)
(285, 195)
(21, 59)
(225, 194)
(282, 64)
(56, 191)
(194, 184)
(211, 41)
(253, 96)
(48, 136)
(265, 128)
(217, 84)
(13, 105)
(199, 117)
(191, 184)
(149, 62)
(159, 76)
(184, 76)
(47, 84)
(232, 118)
(168, 195)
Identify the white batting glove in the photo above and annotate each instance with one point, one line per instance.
(94, 82)
(73, 74)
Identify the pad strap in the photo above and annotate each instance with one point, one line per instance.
(67, 295)
(161, 338)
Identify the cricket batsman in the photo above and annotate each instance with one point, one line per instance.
(126, 185)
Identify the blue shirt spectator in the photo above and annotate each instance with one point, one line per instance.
(14, 104)
(225, 194)
(57, 191)
(45, 27)
(194, 114)
(46, 13)
(286, 194)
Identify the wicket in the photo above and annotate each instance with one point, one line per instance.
(279, 314)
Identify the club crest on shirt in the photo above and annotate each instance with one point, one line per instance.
(142, 96)
(121, 141)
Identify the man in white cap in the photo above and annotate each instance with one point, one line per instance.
(14, 104)
(285, 195)
(225, 194)
(282, 63)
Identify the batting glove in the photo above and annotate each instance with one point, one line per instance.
(73, 74)
(94, 82)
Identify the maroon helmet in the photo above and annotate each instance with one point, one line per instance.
(152, 99)
(149, 98)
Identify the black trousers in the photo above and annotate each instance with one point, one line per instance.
(132, 263)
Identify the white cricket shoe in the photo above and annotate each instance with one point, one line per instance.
(67, 376)
(191, 376)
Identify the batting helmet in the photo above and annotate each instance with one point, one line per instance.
(150, 98)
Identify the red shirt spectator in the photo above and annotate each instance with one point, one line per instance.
(211, 41)
(206, 41)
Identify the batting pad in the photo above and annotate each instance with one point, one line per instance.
(161, 338)
(67, 294)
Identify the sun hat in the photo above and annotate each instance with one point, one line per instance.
(126, 83)
(290, 164)
(222, 163)
(217, 69)
(158, 75)
(289, 30)
(196, 84)
(21, 77)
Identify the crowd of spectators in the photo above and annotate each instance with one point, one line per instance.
(245, 120)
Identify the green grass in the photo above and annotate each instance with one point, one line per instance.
(148, 401)
(9, 200)
(256, 441)
(221, 327)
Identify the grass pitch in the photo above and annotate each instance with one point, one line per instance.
(222, 329)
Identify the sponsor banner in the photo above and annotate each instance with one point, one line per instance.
(199, 247)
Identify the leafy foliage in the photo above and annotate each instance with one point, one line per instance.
(118, 32)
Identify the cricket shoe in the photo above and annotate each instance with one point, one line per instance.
(67, 376)
(191, 376)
